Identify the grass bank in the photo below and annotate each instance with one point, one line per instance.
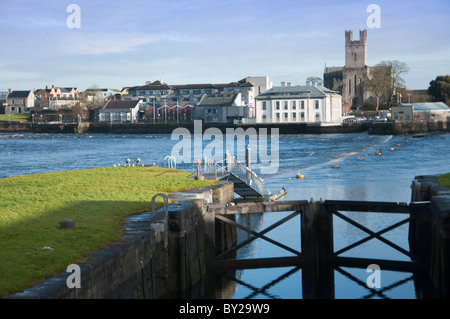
(32, 245)
(15, 117)
(444, 180)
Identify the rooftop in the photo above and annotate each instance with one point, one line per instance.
(298, 91)
(120, 105)
(429, 106)
(19, 94)
(218, 99)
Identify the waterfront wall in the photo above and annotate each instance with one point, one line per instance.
(409, 127)
(161, 128)
(147, 264)
(429, 234)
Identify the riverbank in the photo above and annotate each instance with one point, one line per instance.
(163, 128)
(35, 248)
(384, 128)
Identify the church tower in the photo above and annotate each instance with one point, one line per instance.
(356, 51)
(348, 80)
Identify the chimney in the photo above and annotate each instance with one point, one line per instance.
(283, 84)
(289, 84)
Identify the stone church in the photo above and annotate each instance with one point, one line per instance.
(348, 80)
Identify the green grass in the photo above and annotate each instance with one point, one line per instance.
(31, 207)
(444, 180)
(15, 117)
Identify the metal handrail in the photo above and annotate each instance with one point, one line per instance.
(234, 167)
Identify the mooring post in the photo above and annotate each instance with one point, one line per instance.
(317, 248)
(227, 161)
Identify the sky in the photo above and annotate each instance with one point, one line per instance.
(112, 44)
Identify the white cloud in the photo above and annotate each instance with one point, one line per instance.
(102, 43)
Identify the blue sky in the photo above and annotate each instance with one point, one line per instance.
(125, 43)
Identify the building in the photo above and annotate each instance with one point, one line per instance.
(159, 94)
(3, 95)
(56, 98)
(18, 102)
(118, 111)
(299, 104)
(220, 108)
(349, 79)
(421, 111)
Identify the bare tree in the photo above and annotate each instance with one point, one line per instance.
(397, 70)
(378, 81)
(92, 98)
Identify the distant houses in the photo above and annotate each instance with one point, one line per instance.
(159, 94)
(249, 100)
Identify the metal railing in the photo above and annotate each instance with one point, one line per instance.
(231, 166)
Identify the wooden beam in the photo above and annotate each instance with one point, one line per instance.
(364, 206)
(394, 265)
(226, 264)
(257, 207)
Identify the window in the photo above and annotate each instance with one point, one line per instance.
(264, 105)
(294, 105)
(302, 116)
(302, 105)
(185, 92)
(285, 105)
(163, 92)
(316, 104)
(277, 116)
(277, 105)
(286, 117)
(208, 91)
(197, 91)
(294, 117)
(317, 116)
(264, 118)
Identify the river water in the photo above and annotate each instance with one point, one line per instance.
(376, 178)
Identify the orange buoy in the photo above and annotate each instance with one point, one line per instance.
(360, 159)
(335, 166)
(391, 149)
(378, 153)
(399, 144)
(300, 176)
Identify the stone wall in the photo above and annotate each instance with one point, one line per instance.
(147, 264)
(430, 232)
(409, 127)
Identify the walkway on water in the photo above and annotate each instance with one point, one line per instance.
(246, 183)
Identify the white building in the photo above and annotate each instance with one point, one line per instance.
(299, 104)
(421, 111)
(119, 111)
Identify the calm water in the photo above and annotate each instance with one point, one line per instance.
(377, 178)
